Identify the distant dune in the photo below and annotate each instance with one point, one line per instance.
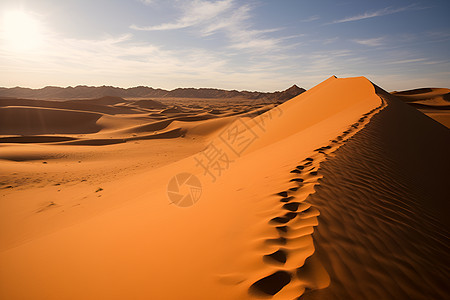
(340, 192)
(434, 102)
(112, 120)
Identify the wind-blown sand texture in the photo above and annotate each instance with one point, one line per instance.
(338, 193)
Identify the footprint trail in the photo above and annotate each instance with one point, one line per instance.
(293, 268)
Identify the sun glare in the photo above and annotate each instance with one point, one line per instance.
(21, 31)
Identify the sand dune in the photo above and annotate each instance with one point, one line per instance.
(434, 102)
(88, 105)
(432, 95)
(149, 104)
(26, 120)
(338, 193)
(111, 120)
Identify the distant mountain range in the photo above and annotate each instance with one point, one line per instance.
(83, 92)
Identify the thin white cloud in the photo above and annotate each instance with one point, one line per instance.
(121, 61)
(374, 42)
(195, 12)
(147, 2)
(408, 61)
(254, 44)
(238, 29)
(231, 20)
(227, 17)
(378, 13)
(115, 59)
(330, 40)
(312, 18)
(435, 62)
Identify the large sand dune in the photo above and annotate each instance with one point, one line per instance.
(338, 193)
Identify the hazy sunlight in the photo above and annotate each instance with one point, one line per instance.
(21, 31)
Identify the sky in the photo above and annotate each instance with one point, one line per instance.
(262, 45)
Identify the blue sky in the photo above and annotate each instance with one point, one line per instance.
(230, 44)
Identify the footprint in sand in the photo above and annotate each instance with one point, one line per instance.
(293, 206)
(279, 256)
(286, 199)
(277, 241)
(290, 215)
(296, 180)
(271, 284)
(282, 229)
(279, 220)
(304, 214)
(283, 194)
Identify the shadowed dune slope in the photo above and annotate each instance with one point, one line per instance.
(32, 120)
(102, 105)
(383, 200)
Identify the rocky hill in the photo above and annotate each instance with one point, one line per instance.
(83, 92)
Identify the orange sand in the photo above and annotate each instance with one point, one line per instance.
(337, 193)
